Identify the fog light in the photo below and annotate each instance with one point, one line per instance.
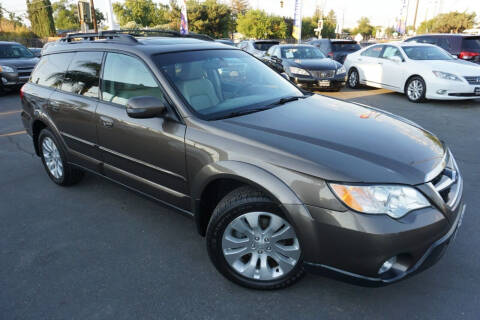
(441, 91)
(387, 265)
(5, 81)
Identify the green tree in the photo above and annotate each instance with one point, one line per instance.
(145, 13)
(309, 24)
(364, 28)
(65, 15)
(454, 22)
(209, 17)
(40, 14)
(257, 24)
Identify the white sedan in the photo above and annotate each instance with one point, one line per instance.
(421, 71)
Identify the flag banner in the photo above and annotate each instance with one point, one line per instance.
(183, 17)
(297, 22)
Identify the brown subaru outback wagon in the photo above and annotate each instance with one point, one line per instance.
(276, 178)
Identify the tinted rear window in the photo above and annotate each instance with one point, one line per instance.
(471, 43)
(339, 46)
(51, 69)
(83, 75)
(264, 46)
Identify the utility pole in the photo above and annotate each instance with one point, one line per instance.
(94, 16)
(415, 17)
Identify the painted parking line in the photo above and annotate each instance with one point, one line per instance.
(6, 113)
(16, 133)
(346, 95)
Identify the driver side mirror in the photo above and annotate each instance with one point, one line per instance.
(144, 107)
(395, 59)
(276, 59)
(283, 74)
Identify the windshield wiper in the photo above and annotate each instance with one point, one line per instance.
(271, 105)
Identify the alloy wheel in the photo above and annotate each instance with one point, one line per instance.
(415, 89)
(260, 246)
(52, 157)
(352, 80)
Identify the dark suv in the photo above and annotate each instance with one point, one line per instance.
(275, 178)
(16, 65)
(337, 49)
(466, 47)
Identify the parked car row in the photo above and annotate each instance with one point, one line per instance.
(16, 65)
(434, 66)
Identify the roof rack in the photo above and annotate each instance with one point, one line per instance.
(129, 35)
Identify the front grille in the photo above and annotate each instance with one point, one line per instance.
(447, 183)
(322, 74)
(24, 74)
(473, 80)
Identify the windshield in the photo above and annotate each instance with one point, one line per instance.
(14, 51)
(216, 83)
(264, 46)
(349, 46)
(302, 53)
(426, 53)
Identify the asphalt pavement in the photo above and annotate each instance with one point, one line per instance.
(98, 251)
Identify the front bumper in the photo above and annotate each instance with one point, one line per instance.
(418, 249)
(13, 79)
(337, 82)
(440, 89)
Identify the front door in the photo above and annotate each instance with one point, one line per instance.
(392, 71)
(146, 154)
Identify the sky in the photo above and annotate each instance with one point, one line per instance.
(380, 12)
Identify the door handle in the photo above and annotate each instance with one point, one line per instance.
(107, 122)
(380, 62)
(359, 59)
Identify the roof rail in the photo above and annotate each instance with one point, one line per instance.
(129, 35)
(92, 36)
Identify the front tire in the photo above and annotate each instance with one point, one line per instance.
(251, 243)
(415, 89)
(353, 80)
(55, 161)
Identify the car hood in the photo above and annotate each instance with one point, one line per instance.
(314, 64)
(457, 66)
(19, 62)
(340, 141)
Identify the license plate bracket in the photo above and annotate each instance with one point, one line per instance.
(326, 83)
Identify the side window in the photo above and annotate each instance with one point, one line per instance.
(125, 77)
(444, 43)
(391, 52)
(373, 52)
(83, 75)
(325, 47)
(51, 69)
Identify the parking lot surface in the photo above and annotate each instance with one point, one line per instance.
(97, 251)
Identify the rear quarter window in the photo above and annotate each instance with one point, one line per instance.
(51, 69)
(83, 75)
(472, 43)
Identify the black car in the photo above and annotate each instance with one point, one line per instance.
(16, 65)
(337, 49)
(466, 47)
(307, 66)
(276, 179)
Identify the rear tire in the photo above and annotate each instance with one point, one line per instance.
(55, 161)
(353, 80)
(415, 89)
(243, 241)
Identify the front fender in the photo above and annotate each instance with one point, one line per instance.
(250, 175)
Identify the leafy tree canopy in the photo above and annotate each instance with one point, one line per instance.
(364, 28)
(145, 13)
(65, 15)
(258, 24)
(448, 22)
(40, 14)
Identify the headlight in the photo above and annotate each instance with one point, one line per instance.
(341, 70)
(446, 76)
(395, 201)
(6, 69)
(301, 71)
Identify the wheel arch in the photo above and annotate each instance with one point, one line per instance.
(408, 79)
(215, 180)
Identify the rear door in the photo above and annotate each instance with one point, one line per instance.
(146, 154)
(370, 65)
(73, 107)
